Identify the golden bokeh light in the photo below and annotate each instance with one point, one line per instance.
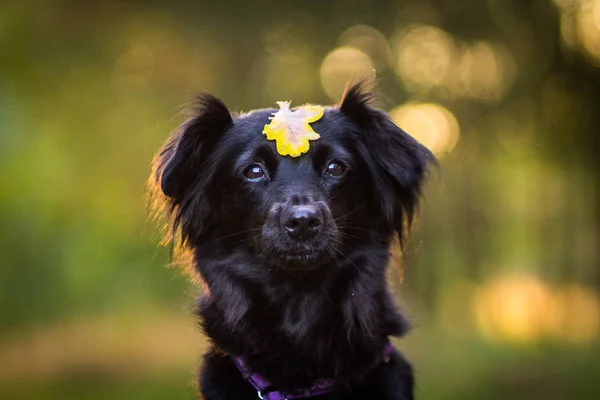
(521, 308)
(482, 73)
(431, 124)
(427, 58)
(422, 56)
(568, 31)
(342, 65)
(577, 314)
(368, 40)
(580, 26)
(514, 308)
(565, 3)
(588, 28)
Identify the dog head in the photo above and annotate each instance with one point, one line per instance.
(225, 183)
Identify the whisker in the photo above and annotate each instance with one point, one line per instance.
(347, 235)
(351, 212)
(346, 257)
(232, 234)
(355, 228)
(343, 244)
(335, 195)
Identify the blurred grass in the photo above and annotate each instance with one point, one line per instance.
(468, 368)
(172, 385)
(163, 363)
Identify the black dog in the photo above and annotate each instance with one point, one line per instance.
(293, 251)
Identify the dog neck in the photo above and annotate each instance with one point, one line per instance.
(331, 323)
(267, 391)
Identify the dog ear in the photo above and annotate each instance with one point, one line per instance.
(181, 169)
(182, 157)
(402, 162)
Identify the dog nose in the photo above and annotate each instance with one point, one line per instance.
(302, 222)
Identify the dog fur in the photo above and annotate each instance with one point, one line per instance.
(296, 310)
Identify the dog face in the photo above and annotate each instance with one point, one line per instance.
(224, 181)
(296, 212)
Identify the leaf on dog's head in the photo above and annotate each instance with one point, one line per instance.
(291, 130)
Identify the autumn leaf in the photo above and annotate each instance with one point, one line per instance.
(291, 130)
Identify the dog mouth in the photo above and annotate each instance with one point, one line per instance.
(306, 261)
(307, 258)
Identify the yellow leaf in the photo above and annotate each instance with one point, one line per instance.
(291, 130)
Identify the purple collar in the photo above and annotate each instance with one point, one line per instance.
(319, 387)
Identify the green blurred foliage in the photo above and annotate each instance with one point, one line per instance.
(89, 91)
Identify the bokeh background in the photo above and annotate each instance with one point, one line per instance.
(501, 276)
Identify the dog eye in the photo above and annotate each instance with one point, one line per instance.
(335, 169)
(254, 172)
